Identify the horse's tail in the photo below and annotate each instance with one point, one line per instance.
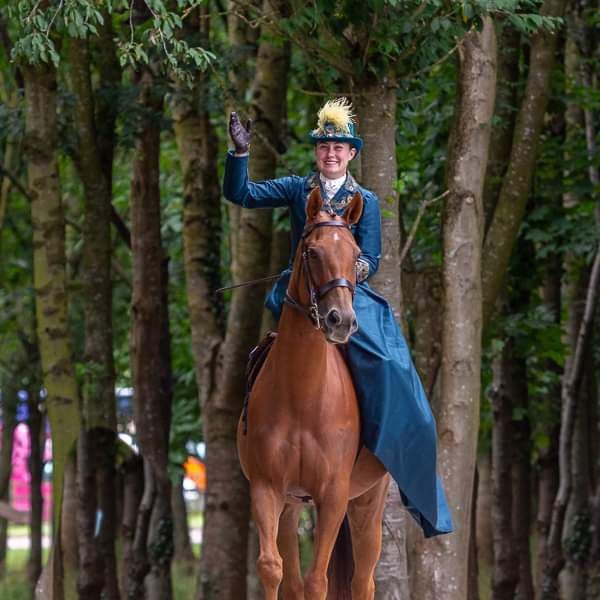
(341, 565)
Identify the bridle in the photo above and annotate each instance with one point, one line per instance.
(316, 293)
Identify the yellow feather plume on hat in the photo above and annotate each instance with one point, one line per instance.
(336, 112)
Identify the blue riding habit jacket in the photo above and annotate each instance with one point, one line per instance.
(397, 423)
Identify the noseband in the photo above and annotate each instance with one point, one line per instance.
(316, 293)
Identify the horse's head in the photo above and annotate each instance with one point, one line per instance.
(327, 259)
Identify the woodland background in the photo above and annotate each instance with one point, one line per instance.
(480, 123)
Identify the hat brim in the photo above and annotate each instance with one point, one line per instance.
(355, 142)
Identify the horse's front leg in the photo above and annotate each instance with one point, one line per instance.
(287, 541)
(366, 516)
(267, 505)
(331, 509)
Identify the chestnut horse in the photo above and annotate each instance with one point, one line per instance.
(300, 442)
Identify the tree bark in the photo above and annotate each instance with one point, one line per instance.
(521, 479)
(223, 570)
(152, 408)
(569, 393)
(50, 286)
(9, 422)
(37, 437)
(510, 208)
(181, 533)
(99, 407)
(375, 105)
(458, 416)
(505, 574)
(484, 529)
(473, 589)
(504, 118)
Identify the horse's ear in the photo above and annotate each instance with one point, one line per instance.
(354, 209)
(314, 204)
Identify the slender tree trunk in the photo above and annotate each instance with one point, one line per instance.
(36, 433)
(99, 408)
(376, 113)
(181, 532)
(424, 296)
(51, 296)
(11, 158)
(547, 464)
(504, 117)
(458, 416)
(375, 105)
(570, 390)
(505, 574)
(473, 590)
(576, 535)
(485, 496)
(223, 570)
(243, 42)
(521, 480)
(9, 422)
(152, 408)
(510, 208)
(198, 149)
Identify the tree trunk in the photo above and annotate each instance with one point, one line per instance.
(505, 573)
(152, 408)
(570, 391)
(547, 464)
(50, 286)
(37, 437)
(243, 43)
(504, 118)
(521, 480)
(391, 575)
(99, 407)
(223, 570)
(473, 589)
(484, 531)
(577, 530)
(375, 104)
(458, 416)
(181, 532)
(510, 208)
(198, 149)
(9, 422)
(576, 535)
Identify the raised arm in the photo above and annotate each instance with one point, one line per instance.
(237, 187)
(368, 235)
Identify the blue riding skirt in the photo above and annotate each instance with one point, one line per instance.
(397, 423)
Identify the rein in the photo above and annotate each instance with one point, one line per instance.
(316, 293)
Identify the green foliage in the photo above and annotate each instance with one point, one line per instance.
(39, 27)
(154, 30)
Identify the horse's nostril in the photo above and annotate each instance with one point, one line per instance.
(354, 324)
(334, 318)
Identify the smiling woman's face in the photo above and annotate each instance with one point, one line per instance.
(333, 158)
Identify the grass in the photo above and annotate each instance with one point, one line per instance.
(13, 586)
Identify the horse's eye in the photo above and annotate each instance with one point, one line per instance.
(312, 253)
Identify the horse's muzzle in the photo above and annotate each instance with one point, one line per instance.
(339, 325)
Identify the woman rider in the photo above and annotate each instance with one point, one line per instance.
(397, 423)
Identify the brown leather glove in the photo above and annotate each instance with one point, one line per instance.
(240, 135)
